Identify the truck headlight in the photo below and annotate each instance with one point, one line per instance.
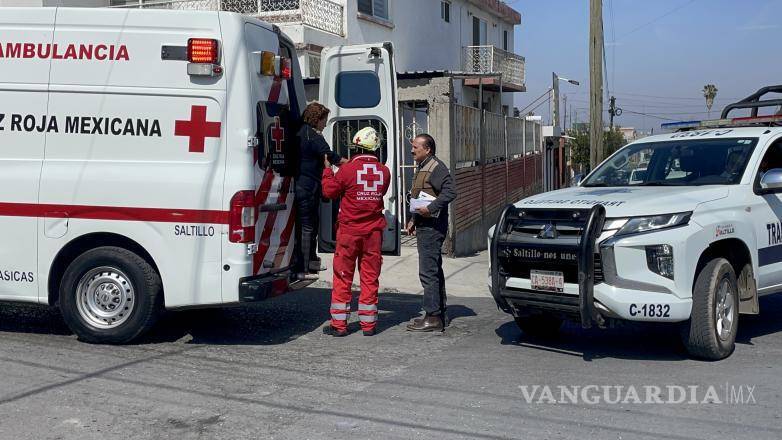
(652, 223)
(659, 259)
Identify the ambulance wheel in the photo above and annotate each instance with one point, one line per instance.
(711, 330)
(110, 295)
(539, 326)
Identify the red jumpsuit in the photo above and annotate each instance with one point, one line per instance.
(361, 183)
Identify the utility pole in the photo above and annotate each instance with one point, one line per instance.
(612, 110)
(595, 82)
(555, 103)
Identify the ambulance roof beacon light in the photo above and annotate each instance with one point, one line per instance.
(203, 55)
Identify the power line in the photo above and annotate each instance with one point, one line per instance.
(660, 17)
(650, 115)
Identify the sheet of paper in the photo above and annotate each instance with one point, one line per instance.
(423, 200)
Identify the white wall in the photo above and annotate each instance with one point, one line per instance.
(424, 41)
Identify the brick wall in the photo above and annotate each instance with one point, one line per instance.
(481, 199)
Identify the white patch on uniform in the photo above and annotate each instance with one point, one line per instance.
(375, 181)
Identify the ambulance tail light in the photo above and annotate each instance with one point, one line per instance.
(242, 217)
(275, 65)
(203, 50)
(285, 68)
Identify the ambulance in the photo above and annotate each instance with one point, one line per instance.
(148, 159)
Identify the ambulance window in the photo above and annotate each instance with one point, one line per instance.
(345, 130)
(358, 89)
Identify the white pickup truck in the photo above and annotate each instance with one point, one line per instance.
(696, 240)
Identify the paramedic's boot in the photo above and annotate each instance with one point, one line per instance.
(428, 324)
(331, 331)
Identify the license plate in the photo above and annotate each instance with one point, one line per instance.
(547, 280)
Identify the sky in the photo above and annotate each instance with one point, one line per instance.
(659, 54)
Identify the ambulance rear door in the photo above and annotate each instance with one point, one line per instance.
(358, 85)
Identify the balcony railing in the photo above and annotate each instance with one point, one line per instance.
(490, 59)
(319, 14)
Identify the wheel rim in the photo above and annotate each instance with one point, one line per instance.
(105, 297)
(725, 310)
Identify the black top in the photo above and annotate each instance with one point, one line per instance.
(312, 149)
(443, 186)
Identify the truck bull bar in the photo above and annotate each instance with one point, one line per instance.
(586, 309)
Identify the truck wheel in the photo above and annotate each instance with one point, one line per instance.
(110, 295)
(539, 326)
(710, 332)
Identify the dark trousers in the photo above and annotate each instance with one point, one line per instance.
(430, 268)
(308, 213)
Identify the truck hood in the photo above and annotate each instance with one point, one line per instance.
(628, 201)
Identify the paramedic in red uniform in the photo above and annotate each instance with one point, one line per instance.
(361, 183)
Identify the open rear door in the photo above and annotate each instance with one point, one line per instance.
(358, 85)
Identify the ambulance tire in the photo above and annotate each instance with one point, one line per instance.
(543, 326)
(110, 295)
(710, 333)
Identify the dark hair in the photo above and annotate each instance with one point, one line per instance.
(314, 112)
(428, 142)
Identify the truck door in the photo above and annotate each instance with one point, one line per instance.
(766, 212)
(358, 85)
(24, 122)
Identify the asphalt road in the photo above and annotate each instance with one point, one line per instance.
(267, 372)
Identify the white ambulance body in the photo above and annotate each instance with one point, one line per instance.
(147, 161)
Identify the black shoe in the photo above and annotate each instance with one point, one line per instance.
(369, 332)
(331, 331)
(315, 267)
(427, 324)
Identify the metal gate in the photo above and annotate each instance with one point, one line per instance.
(415, 120)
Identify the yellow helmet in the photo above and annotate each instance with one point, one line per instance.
(367, 139)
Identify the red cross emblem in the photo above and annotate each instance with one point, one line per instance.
(197, 128)
(370, 178)
(278, 135)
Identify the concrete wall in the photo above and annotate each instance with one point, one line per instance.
(424, 41)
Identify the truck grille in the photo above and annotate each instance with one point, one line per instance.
(536, 239)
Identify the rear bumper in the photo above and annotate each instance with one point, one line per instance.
(259, 288)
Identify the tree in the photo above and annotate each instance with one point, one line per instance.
(579, 148)
(579, 145)
(709, 92)
(612, 141)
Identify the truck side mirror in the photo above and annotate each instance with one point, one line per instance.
(771, 180)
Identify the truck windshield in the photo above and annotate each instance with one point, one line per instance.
(676, 163)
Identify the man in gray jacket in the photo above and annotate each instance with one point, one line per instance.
(430, 225)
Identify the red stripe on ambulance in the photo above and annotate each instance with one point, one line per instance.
(163, 215)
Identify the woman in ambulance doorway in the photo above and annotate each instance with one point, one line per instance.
(312, 149)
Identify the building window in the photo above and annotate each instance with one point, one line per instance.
(445, 11)
(375, 8)
(313, 65)
(478, 31)
(504, 40)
